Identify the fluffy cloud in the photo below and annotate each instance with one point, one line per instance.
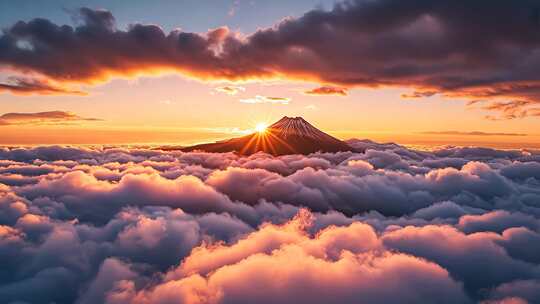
(278, 263)
(432, 47)
(135, 225)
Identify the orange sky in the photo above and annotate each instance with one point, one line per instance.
(132, 101)
(173, 109)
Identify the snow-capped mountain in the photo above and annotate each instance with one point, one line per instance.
(289, 135)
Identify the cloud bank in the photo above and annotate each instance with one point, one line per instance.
(453, 48)
(120, 225)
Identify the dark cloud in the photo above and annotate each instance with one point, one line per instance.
(468, 257)
(458, 49)
(27, 86)
(135, 225)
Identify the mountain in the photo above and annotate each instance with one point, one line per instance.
(289, 135)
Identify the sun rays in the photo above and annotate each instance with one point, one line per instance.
(261, 128)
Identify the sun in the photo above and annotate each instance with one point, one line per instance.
(260, 127)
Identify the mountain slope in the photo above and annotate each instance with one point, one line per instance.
(289, 135)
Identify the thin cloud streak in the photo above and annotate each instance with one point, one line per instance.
(40, 118)
(30, 86)
(472, 133)
(266, 99)
(230, 90)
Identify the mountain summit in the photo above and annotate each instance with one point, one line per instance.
(289, 135)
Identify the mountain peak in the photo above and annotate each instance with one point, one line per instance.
(292, 118)
(289, 135)
(297, 126)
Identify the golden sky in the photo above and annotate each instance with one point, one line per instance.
(151, 93)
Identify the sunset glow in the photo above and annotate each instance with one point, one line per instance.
(270, 152)
(260, 127)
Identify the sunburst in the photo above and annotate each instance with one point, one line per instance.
(261, 128)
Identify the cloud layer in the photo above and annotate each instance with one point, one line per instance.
(453, 48)
(118, 225)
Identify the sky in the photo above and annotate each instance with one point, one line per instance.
(139, 93)
(434, 198)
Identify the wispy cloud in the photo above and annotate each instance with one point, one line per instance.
(514, 109)
(234, 8)
(419, 94)
(472, 133)
(266, 99)
(28, 86)
(327, 90)
(41, 118)
(230, 90)
(227, 130)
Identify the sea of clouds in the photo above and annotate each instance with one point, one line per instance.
(391, 225)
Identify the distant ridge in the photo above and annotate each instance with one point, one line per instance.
(289, 135)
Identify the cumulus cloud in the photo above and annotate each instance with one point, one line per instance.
(431, 47)
(137, 225)
(338, 264)
(39, 118)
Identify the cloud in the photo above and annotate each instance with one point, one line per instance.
(472, 133)
(234, 8)
(429, 47)
(496, 221)
(230, 90)
(353, 270)
(327, 90)
(522, 291)
(28, 86)
(514, 109)
(463, 255)
(419, 94)
(266, 99)
(40, 118)
(137, 225)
